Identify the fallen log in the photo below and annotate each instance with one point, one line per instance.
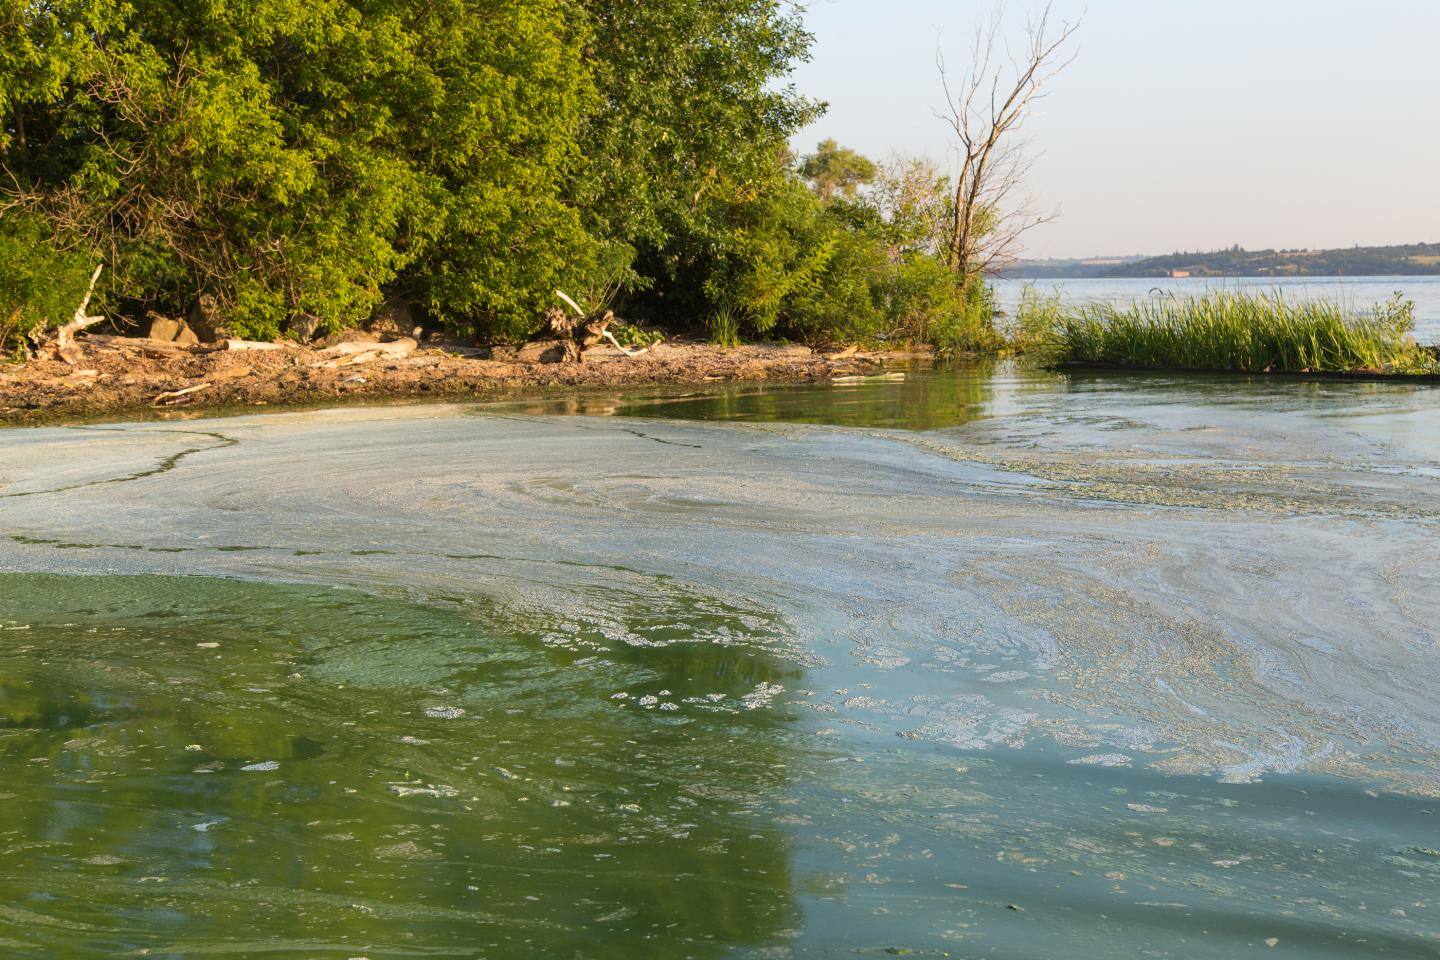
(255, 345)
(138, 343)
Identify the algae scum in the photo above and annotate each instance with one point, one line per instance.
(976, 665)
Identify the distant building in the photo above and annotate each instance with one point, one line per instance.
(1179, 274)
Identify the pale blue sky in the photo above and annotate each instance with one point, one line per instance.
(1183, 123)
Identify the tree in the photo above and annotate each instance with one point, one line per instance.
(833, 169)
(987, 109)
(693, 123)
(915, 202)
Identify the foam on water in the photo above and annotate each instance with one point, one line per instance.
(1151, 659)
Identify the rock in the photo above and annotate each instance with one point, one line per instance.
(171, 331)
(206, 321)
(303, 327)
(393, 318)
(348, 335)
(546, 351)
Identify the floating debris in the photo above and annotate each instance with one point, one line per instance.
(1103, 760)
(1146, 808)
(406, 790)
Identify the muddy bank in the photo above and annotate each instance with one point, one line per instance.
(115, 375)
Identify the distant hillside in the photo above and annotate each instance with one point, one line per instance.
(1416, 259)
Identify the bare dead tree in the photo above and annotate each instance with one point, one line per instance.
(987, 110)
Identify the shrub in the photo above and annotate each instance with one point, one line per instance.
(965, 322)
(631, 335)
(925, 304)
(40, 284)
(847, 301)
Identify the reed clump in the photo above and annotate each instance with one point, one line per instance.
(724, 327)
(1240, 331)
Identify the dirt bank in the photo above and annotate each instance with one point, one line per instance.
(122, 375)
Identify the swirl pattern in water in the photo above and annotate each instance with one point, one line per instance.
(1085, 667)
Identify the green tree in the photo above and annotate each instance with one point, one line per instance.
(836, 170)
(691, 134)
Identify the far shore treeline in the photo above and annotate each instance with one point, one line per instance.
(291, 169)
(1414, 259)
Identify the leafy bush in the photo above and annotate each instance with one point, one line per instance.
(966, 322)
(847, 302)
(776, 246)
(40, 285)
(632, 335)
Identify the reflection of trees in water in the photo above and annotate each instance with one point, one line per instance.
(922, 401)
(549, 819)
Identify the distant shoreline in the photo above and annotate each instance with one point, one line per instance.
(1406, 260)
(1008, 275)
(1012, 275)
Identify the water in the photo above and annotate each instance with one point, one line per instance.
(1357, 293)
(982, 664)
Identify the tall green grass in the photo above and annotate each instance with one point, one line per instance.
(724, 327)
(1228, 330)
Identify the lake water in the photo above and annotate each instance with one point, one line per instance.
(987, 663)
(1357, 293)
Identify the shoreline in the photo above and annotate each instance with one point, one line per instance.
(121, 377)
(1082, 366)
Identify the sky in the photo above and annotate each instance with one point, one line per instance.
(1181, 125)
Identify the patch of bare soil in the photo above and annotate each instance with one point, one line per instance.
(102, 376)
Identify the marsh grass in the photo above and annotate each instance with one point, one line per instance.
(1228, 330)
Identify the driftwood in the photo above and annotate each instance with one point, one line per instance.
(170, 396)
(622, 348)
(353, 352)
(576, 333)
(254, 345)
(870, 378)
(139, 343)
(65, 334)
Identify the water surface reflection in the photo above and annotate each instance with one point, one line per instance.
(209, 767)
